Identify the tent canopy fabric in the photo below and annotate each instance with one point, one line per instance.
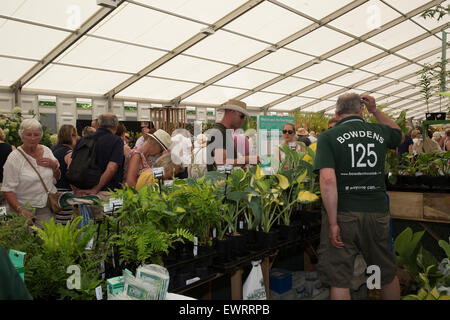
(275, 55)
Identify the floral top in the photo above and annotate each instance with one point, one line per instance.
(145, 164)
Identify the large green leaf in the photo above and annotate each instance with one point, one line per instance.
(446, 246)
(237, 195)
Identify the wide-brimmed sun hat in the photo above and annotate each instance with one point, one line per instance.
(235, 105)
(162, 137)
(302, 132)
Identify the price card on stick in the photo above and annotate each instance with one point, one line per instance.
(221, 169)
(158, 173)
(228, 168)
(2, 211)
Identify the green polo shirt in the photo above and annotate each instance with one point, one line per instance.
(11, 284)
(356, 150)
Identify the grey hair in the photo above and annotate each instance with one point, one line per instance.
(349, 103)
(29, 124)
(108, 121)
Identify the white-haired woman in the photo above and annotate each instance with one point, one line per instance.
(21, 184)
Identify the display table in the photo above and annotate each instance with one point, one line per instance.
(429, 207)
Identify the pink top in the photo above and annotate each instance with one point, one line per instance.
(145, 164)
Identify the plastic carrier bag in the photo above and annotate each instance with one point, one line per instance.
(254, 288)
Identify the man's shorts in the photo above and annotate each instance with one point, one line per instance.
(361, 232)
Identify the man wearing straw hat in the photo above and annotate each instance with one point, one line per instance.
(220, 148)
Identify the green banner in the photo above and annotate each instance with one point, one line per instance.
(269, 136)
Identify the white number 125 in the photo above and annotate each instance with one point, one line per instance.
(362, 160)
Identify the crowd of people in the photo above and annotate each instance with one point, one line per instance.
(350, 157)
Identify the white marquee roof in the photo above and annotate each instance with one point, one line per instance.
(280, 55)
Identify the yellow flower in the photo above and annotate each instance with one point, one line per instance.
(306, 196)
(307, 157)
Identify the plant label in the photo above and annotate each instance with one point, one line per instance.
(228, 168)
(99, 293)
(292, 145)
(158, 173)
(241, 224)
(221, 169)
(2, 211)
(195, 246)
(90, 244)
(214, 233)
(115, 203)
(190, 281)
(107, 208)
(168, 183)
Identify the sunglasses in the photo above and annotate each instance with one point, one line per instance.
(288, 131)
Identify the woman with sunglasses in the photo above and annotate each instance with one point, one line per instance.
(288, 135)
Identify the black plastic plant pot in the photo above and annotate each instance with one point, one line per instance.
(204, 250)
(223, 250)
(288, 233)
(185, 251)
(238, 243)
(202, 271)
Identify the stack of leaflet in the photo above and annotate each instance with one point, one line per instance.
(151, 283)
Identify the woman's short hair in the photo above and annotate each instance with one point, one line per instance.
(87, 130)
(29, 124)
(66, 134)
(170, 162)
(2, 135)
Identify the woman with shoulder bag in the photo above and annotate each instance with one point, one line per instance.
(30, 173)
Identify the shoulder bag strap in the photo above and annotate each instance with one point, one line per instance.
(28, 160)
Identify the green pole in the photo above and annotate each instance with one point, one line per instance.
(444, 60)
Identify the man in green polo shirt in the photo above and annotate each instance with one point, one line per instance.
(350, 158)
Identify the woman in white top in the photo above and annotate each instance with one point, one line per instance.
(21, 183)
(417, 139)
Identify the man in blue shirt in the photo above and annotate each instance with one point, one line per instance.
(109, 155)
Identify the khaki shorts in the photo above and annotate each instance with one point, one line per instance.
(362, 233)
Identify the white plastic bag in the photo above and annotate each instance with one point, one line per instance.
(254, 288)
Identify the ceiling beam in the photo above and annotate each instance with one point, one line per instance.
(184, 46)
(95, 19)
(329, 54)
(276, 46)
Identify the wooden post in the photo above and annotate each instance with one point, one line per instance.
(266, 265)
(236, 284)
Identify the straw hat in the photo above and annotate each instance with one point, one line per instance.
(235, 105)
(162, 137)
(302, 132)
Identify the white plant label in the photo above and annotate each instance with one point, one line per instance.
(90, 244)
(221, 169)
(195, 246)
(168, 183)
(158, 172)
(214, 232)
(241, 224)
(2, 211)
(99, 293)
(190, 281)
(115, 203)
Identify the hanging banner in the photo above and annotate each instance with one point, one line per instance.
(269, 138)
